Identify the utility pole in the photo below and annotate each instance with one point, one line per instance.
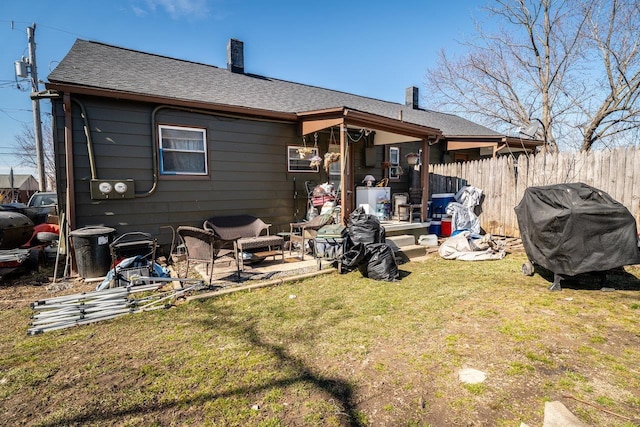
(28, 68)
(42, 185)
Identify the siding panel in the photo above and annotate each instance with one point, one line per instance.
(247, 169)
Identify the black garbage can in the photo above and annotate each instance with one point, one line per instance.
(92, 254)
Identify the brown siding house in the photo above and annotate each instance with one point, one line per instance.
(144, 142)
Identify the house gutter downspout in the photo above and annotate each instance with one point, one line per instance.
(87, 134)
(154, 139)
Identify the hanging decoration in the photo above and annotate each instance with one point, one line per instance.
(331, 156)
(357, 138)
(305, 151)
(412, 159)
(315, 162)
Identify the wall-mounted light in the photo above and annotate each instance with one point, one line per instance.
(369, 180)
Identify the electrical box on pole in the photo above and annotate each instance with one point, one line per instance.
(22, 68)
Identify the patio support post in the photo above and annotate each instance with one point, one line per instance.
(424, 180)
(345, 176)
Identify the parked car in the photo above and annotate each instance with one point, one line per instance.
(43, 199)
(38, 208)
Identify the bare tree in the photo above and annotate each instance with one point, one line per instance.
(25, 149)
(548, 63)
(613, 32)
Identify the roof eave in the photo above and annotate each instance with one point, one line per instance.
(475, 141)
(522, 142)
(131, 96)
(355, 118)
(474, 138)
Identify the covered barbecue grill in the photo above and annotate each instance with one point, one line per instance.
(570, 229)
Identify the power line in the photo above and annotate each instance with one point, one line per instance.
(26, 110)
(13, 118)
(27, 23)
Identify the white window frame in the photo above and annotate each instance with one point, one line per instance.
(296, 164)
(394, 160)
(162, 150)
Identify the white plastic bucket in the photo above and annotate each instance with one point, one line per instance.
(428, 240)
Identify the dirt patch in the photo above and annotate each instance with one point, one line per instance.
(20, 287)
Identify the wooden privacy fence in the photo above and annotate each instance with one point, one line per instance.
(504, 179)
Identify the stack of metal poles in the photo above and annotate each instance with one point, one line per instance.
(88, 307)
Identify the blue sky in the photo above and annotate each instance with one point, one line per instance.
(372, 48)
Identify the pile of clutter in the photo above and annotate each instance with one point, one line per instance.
(455, 217)
(367, 250)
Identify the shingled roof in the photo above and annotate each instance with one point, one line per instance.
(101, 66)
(20, 181)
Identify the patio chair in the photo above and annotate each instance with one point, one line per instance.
(401, 207)
(245, 231)
(201, 246)
(302, 232)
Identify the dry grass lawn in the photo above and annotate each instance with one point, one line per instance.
(337, 350)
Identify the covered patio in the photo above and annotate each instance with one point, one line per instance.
(387, 132)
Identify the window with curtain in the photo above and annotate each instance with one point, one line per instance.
(183, 150)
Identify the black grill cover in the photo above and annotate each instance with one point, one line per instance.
(574, 228)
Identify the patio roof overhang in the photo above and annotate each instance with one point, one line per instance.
(495, 142)
(520, 144)
(388, 130)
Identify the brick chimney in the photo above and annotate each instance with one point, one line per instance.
(411, 98)
(235, 56)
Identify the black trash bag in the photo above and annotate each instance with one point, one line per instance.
(364, 228)
(380, 263)
(352, 258)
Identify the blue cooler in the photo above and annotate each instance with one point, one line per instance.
(439, 204)
(435, 228)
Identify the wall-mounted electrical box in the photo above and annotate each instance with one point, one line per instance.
(102, 189)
